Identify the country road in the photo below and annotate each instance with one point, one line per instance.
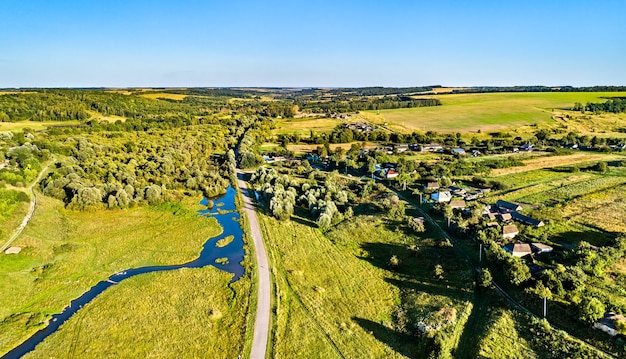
(29, 214)
(262, 318)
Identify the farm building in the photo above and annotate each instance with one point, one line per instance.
(506, 206)
(518, 249)
(510, 231)
(608, 323)
(527, 220)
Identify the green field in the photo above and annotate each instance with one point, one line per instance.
(66, 252)
(187, 313)
(487, 112)
(34, 125)
(337, 295)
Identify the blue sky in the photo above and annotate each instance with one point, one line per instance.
(134, 43)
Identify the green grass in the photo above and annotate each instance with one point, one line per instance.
(187, 313)
(337, 294)
(503, 338)
(33, 125)
(66, 252)
(486, 112)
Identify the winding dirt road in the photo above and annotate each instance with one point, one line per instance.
(29, 214)
(262, 319)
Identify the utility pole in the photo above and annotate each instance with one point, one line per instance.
(480, 253)
(545, 306)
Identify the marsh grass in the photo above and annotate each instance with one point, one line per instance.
(186, 313)
(66, 252)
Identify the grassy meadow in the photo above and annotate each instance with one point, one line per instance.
(34, 125)
(337, 295)
(187, 313)
(66, 252)
(489, 111)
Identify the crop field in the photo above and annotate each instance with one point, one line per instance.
(66, 252)
(336, 293)
(486, 112)
(164, 95)
(190, 320)
(304, 126)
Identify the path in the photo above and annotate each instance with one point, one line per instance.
(29, 214)
(262, 318)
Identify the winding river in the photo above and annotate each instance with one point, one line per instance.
(227, 258)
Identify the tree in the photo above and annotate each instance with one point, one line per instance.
(590, 309)
(371, 165)
(438, 271)
(517, 271)
(485, 278)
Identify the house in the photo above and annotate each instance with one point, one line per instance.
(608, 323)
(504, 217)
(527, 220)
(391, 173)
(432, 147)
(518, 249)
(3, 165)
(527, 147)
(490, 216)
(506, 206)
(401, 148)
(541, 248)
(458, 191)
(312, 157)
(458, 151)
(457, 204)
(441, 197)
(432, 186)
(510, 231)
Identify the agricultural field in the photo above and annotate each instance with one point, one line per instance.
(66, 252)
(491, 111)
(304, 126)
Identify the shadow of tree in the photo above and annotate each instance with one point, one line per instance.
(404, 344)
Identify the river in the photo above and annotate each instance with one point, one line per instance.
(230, 257)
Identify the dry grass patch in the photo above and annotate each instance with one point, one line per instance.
(557, 161)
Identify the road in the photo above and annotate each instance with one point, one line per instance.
(29, 214)
(262, 318)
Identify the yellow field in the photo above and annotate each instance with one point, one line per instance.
(164, 95)
(304, 126)
(556, 161)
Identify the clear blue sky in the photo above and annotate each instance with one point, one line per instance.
(72, 43)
